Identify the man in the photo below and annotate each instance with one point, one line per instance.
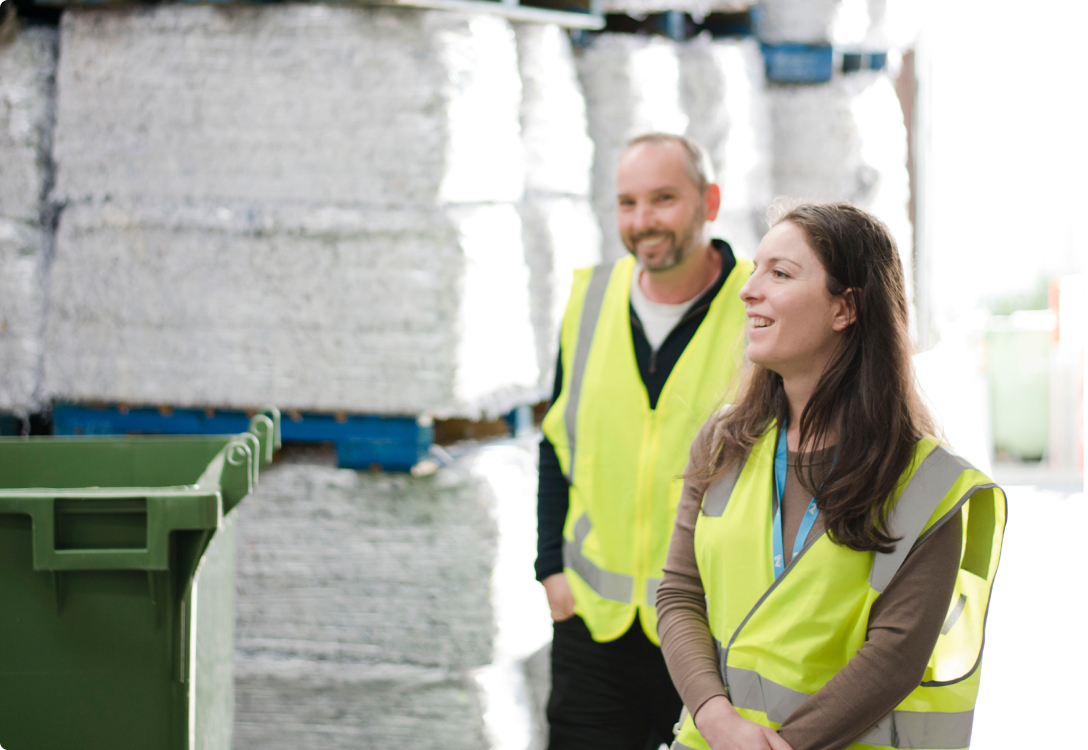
(647, 348)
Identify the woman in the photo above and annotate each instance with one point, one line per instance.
(831, 563)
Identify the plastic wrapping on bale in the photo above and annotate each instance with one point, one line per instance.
(559, 152)
(559, 228)
(845, 140)
(632, 86)
(560, 234)
(298, 103)
(21, 316)
(724, 94)
(322, 309)
(27, 67)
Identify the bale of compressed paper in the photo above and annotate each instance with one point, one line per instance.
(22, 250)
(389, 607)
(806, 21)
(311, 104)
(27, 69)
(558, 150)
(356, 309)
(560, 234)
(559, 230)
(845, 140)
(312, 206)
(632, 86)
(723, 91)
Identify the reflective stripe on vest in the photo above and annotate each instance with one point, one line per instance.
(930, 483)
(591, 311)
(609, 585)
(905, 729)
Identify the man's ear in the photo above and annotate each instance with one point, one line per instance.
(846, 309)
(712, 201)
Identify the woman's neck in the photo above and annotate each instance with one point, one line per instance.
(798, 390)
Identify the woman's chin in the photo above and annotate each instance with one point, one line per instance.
(756, 356)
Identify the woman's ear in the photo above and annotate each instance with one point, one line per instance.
(846, 310)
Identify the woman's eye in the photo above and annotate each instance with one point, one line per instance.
(779, 274)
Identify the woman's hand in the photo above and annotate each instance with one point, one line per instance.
(724, 729)
(560, 600)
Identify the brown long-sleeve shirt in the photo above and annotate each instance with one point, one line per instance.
(903, 624)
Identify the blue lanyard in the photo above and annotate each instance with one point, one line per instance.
(779, 489)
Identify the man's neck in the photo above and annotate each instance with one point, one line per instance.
(684, 282)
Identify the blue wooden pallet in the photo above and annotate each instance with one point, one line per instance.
(388, 443)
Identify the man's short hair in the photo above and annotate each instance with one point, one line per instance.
(697, 161)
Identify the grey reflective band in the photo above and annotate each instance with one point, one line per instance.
(651, 591)
(614, 586)
(718, 494)
(678, 745)
(917, 730)
(927, 488)
(591, 311)
(922, 730)
(954, 615)
(748, 689)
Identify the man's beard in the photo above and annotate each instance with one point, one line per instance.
(680, 246)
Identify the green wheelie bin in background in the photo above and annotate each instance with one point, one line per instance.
(117, 588)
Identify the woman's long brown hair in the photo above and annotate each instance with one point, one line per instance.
(865, 403)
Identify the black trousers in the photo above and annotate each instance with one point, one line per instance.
(609, 696)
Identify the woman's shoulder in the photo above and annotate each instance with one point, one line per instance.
(711, 433)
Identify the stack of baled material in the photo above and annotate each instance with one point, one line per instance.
(710, 89)
(306, 205)
(803, 21)
(844, 139)
(27, 68)
(632, 86)
(723, 90)
(560, 229)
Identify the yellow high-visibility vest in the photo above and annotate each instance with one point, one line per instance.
(782, 640)
(623, 460)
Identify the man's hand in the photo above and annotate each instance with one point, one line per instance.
(724, 729)
(560, 600)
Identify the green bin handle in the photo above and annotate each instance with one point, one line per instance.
(262, 426)
(274, 414)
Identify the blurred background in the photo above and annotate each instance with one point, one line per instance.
(367, 214)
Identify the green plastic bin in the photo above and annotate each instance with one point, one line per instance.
(1018, 367)
(117, 588)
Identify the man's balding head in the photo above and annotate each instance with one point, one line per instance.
(695, 157)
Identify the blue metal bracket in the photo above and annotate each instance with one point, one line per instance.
(798, 63)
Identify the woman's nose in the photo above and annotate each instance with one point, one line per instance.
(750, 291)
